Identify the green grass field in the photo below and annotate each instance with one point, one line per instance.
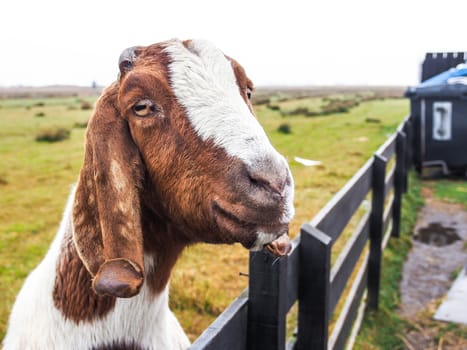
(452, 191)
(35, 179)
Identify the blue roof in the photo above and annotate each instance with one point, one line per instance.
(443, 78)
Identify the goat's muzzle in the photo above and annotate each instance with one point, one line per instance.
(259, 207)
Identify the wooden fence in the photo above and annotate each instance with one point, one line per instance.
(257, 318)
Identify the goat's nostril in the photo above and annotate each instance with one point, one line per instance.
(268, 182)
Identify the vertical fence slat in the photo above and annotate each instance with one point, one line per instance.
(408, 130)
(398, 182)
(267, 299)
(376, 229)
(314, 286)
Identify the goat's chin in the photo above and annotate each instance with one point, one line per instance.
(253, 236)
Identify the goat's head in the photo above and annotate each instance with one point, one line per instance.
(176, 134)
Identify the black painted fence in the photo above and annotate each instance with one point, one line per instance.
(257, 318)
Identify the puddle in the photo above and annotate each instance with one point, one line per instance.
(435, 234)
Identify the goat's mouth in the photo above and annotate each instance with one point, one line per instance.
(248, 226)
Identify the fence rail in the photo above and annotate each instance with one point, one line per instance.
(257, 318)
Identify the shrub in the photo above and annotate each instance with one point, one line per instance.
(80, 125)
(85, 105)
(53, 135)
(339, 106)
(273, 107)
(299, 111)
(285, 128)
(260, 100)
(40, 114)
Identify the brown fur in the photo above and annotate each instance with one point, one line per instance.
(106, 215)
(243, 81)
(72, 292)
(148, 184)
(121, 345)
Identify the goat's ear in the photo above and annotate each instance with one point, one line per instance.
(127, 60)
(106, 213)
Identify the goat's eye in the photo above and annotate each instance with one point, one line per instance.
(249, 92)
(144, 108)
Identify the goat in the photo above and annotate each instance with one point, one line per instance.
(173, 156)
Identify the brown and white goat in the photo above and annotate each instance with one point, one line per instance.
(174, 156)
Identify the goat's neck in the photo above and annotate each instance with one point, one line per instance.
(162, 247)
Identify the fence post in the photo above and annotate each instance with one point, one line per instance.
(267, 294)
(401, 147)
(408, 130)
(314, 289)
(376, 229)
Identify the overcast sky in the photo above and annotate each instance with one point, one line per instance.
(314, 42)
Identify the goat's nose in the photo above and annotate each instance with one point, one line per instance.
(264, 181)
(269, 176)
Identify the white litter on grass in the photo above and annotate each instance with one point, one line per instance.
(307, 162)
(454, 308)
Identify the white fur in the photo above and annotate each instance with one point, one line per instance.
(262, 239)
(36, 324)
(289, 194)
(204, 83)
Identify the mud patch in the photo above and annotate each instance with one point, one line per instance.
(437, 235)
